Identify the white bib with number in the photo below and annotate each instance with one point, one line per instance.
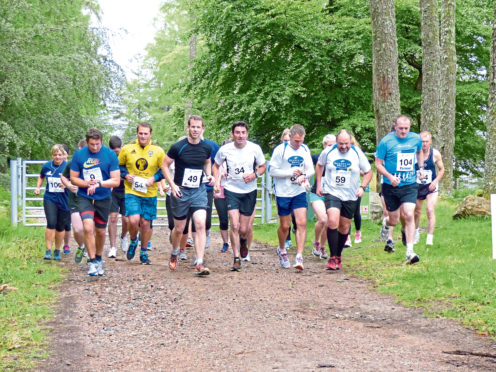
(192, 177)
(341, 178)
(54, 184)
(237, 171)
(93, 174)
(139, 184)
(427, 177)
(405, 162)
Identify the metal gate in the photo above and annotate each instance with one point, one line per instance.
(27, 208)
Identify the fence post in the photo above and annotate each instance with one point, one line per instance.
(267, 189)
(13, 192)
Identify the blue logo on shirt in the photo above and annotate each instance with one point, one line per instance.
(295, 161)
(342, 164)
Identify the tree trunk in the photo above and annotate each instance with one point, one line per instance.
(490, 161)
(189, 101)
(446, 132)
(385, 66)
(430, 68)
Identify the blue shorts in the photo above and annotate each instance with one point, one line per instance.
(315, 197)
(146, 207)
(286, 205)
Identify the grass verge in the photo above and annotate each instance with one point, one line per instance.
(454, 278)
(28, 293)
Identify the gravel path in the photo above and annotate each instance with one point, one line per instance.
(146, 318)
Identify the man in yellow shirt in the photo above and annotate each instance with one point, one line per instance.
(140, 161)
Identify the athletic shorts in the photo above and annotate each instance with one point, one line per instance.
(118, 203)
(190, 201)
(146, 207)
(315, 197)
(57, 218)
(245, 203)
(395, 196)
(286, 205)
(97, 210)
(423, 191)
(347, 207)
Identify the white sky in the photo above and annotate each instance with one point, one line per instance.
(131, 26)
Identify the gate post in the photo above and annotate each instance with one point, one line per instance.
(13, 192)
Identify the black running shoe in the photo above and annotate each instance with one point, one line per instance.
(243, 247)
(389, 246)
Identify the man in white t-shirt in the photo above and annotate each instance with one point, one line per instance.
(290, 167)
(245, 162)
(341, 189)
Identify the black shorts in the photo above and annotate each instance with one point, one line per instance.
(57, 218)
(118, 203)
(347, 207)
(395, 196)
(245, 203)
(423, 191)
(97, 210)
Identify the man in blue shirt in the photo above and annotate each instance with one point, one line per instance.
(396, 156)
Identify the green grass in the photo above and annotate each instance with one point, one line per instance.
(455, 278)
(25, 308)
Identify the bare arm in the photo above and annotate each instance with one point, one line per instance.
(39, 182)
(438, 161)
(319, 169)
(379, 165)
(367, 177)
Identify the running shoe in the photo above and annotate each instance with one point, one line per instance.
(56, 254)
(287, 244)
(225, 248)
(298, 265)
(358, 237)
(316, 249)
(131, 250)
(384, 231)
(124, 244)
(201, 270)
(112, 252)
(429, 240)
(337, 259)
(403, 237)
(67, 249)
(173, 262)
(237, 264)
(331, 264)
(412, 258)
(323, 253)
(283, 259)
(190, 243)
(348, 242)
(243, 250)
(149, 246)
(78, 257)
(207, 242)
(183, 256)
(416, 237)
(144, 258)
(48, 255)
(100, 267)
(389, 246)
(93, 268)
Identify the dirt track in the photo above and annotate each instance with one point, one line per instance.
(146, 318)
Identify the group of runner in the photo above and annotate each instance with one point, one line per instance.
(101, 182)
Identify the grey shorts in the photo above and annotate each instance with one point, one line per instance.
(190, 201)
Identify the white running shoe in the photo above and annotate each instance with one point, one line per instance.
(124, 244)
(298, 265)
(429, 240)
(348, 242)
(93, 268)
(384, 231)
(112, 252)
(412, 258)
(358, 237)
(416, 237)
(247, 258)
(323, 253)
(183, 256)
(100, 268)
(316, 249)
(283, 259)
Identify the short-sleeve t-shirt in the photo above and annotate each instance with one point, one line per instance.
(399, 155)
(95, 166)
(189, 162)
(142, 162)
(215, 147)
(54, 190)
(238, 163)
(342, 171)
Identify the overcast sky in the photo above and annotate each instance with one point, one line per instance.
(131, 27)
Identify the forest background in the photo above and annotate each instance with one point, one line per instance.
(270, 63)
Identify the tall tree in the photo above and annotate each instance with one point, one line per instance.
(385, 65)
(430, 67)
(490, 163)
(446, 134)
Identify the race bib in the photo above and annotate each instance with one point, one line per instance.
(192, 177)
(54, 184)
(139, 184)
(427, 177)
(405, 162)
(93, 174)
(341, 178)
